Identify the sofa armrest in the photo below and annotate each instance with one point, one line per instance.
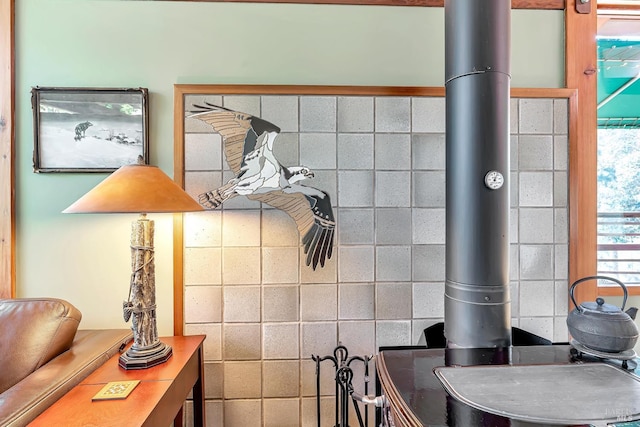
(27, 399)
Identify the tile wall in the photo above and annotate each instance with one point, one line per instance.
(382, 161)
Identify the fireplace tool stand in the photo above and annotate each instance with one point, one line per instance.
(344, 387)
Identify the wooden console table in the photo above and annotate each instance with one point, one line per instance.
(156, 401)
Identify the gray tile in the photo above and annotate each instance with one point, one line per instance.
(514, 189)
(393, 333)
(355, 151)
(417, 330)
(281, 412)
(513, 152)
(280, 265)
(428, 151)
(393, 301)
(213, 344)
(429, 189)
(318, 150)
(242, 413)
(561, 262)
(536, 116)
(318, 114)
(191, 100)
(560, 152)
(536, 225)
(392, 114)
(514, 262)
(241, 303)
(393, 263)
(282, 111)
(514, 292)
(198, 182)
(513, 225)
(202, 229)
(286, 149)
(356, 301)
(327, 378)
(356, 226)
(535, 152)
(428, 226)
(428, 263)
(280, 303)
(319, 338)
(356, 264)
(358, 336)
(249, 104)
(202, 266)
(278, 229)
(392, 151)
(561, 225)
(542, 326)
(536, 298)
(203, 152)
(561, 299)
(318, 302)
(355, 188)
(561, 116)
(428, 114)
(393, 189)
(393, 226)
(326, 274)
(355, 114)
(560, 189)
(202, 304)
(560, 330)
(213, 374)
(242, 342)
(241, 228)
(428, 300)
(280, 341)
(241, 266)
(536, 262)
(280, 378)
(536, 189)
(513, 115)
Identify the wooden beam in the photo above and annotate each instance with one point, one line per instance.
(515, 4)
(581, 72)
(7, 154)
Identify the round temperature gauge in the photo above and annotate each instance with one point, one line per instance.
(493, 180)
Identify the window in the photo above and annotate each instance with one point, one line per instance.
(619, 150)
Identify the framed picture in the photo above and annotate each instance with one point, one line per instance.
(89, 129)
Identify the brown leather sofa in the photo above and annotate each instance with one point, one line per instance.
(43, 355)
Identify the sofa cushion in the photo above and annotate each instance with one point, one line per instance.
(32, 332)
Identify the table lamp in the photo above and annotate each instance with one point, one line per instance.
(139, 189)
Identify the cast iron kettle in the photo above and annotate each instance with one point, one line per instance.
(600, 326)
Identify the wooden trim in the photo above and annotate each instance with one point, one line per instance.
(7, 150)
(180, 90)
(580, 30)
(178, 242)
(515, 4)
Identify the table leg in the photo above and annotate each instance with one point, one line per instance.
(198, 394)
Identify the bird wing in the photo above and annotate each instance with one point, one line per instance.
(238, 136)
(311, 210)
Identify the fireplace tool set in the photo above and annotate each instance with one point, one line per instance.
(344, 387)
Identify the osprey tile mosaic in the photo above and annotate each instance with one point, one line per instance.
(248, 148)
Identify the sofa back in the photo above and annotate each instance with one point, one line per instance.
(32, 332)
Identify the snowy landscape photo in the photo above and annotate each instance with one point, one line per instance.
(89, 130)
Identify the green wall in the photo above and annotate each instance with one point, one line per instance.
(155, 44)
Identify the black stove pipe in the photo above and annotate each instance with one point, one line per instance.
(477, 74)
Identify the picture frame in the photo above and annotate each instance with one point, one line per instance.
(89, 129)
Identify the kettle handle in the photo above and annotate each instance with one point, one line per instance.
(584, 279)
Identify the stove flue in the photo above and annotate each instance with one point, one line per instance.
(477, 82)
